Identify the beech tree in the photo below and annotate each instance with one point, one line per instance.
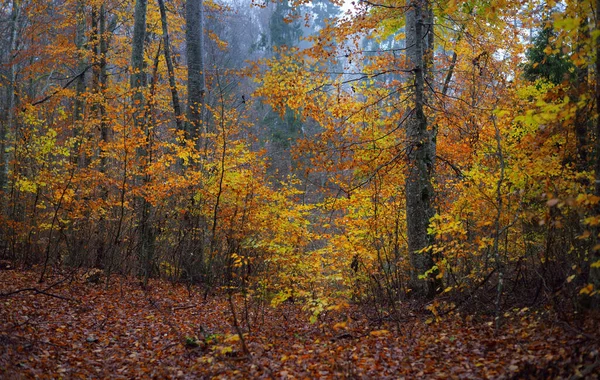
(194, 32)
(421, 147)
(138, 87)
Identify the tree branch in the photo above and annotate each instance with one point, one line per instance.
(47, 97)
(381, 5)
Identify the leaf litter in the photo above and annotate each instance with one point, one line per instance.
(83, 330)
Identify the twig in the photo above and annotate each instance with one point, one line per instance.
(237, 328)
(170, 346)
(347, 335)
(184, 307)
(456, 169)
(38, 291)
(17, 325)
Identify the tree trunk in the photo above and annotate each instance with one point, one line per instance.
(594, 273)
(170, 69)
(99, 85)
(196, 80)
(579, 88)
(99, 72)
(79, 43)
(9, 115)
(103, 81)
(138, 84)
(419, 190)
(138, 75)
(80, 87)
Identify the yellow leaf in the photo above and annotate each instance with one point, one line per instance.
(589, 288)
(570, 278)
(592, 220)
(548, 50)
(596, 264)
(232, 338)
(340, 325)
(586, 234)
(378, 333)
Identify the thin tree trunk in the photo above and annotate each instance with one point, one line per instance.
(594, 273)
(497, 227)
(9, 119)
(419, 190)
(8, 123)
(138, 75)
(170, 69)
(103, 81)
(79, 153)
(80, 87)
(580, 88)
(81, 65)
(100, 84)
(138, 84)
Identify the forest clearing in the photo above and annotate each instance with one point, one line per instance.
(299, 189)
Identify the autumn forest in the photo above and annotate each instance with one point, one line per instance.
(299, 189)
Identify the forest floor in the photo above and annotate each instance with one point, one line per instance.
(77, 329)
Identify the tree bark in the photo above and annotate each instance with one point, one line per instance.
(195, 61)
(170, 69)
(9, 115)
(419, 190)
(99, 85)
(594, 273)
(580, 88)
(138, 84)
(138, 75)
(81, 64)
(80, 87)
(103, 81)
